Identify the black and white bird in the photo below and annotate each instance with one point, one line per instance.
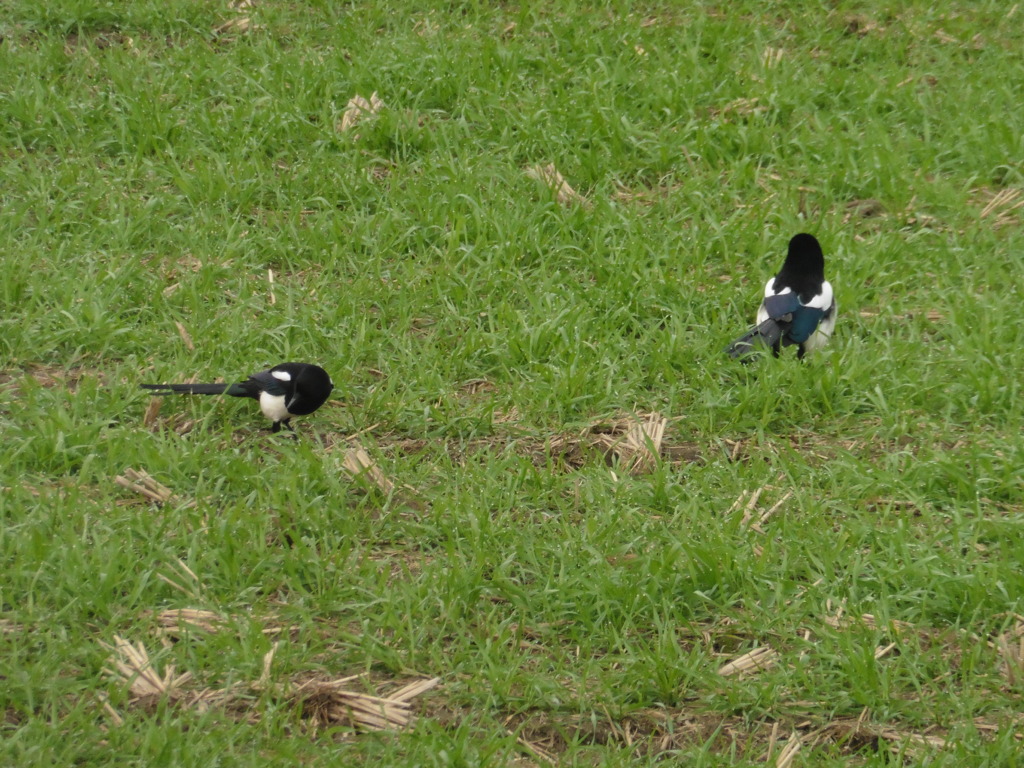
(285, 391)
(799, 308)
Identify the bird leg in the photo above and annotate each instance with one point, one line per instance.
(286, 423)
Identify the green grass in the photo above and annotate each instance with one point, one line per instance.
(152, 172)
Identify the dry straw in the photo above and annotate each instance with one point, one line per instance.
(750, 663)
(323, 703)
(550, 177)
(132, 664)
(358, 463)
(140, 481)
(634, 442)
(357, 108)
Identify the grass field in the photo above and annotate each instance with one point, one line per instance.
(815, 564)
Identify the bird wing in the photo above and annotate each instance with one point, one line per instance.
(805, 322)
(265, 381)
(802, 318)
(767, 333)
(778, 305)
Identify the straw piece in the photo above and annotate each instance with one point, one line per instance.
(241, 24)
(185, 574)
(1010, 646)
(357, 462)
(789, 751)
(771, 57)
(1003, 204)
(756, 660)
(132, 664)
(185, 337)
(325, 702)
(268, 659)
(139, 481)
(639, 447)
(152, 411)
(541, 754)
(839, 622)
(180, 622)
(357, 108)
(412, 690)
(322, 702)
(550, 177)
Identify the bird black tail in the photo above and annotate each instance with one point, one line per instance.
(768, 334)
(191, 389)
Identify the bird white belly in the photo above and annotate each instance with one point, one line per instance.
(273, 407)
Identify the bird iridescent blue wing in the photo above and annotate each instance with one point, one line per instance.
(805, 322)
(779, 305)
(801, 319)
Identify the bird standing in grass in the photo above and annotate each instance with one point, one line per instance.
(799, 308)
(285, 391)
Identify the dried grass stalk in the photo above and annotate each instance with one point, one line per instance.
(268, 660)
(152, 412)
(748, 507)
(182, 621)
(186, 339)
(357, 462)
(231, 26)
(884, 650)
(635, 442)
(868, 620)
(185, 426)
(912, 740)
(1002, 198)
(511, 416)
(132, 664)
(1003, 204)
(866, 208)
(756, 660)
(414, 689)
(1011, 648)
(898, 742)
(740, 107)
(323, 702)
(139, 481)
(775, 508)
(177, 623)
(357, 108)
(8, 627)
(771, 57)
(789, 751)
(549, 175)
(326, 702)
(643, 441)
(361, 467)
(186, 574)
(111, 712)
(772, 741)
(538, 752)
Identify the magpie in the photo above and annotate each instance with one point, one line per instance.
(284, 391)
(799, 307)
